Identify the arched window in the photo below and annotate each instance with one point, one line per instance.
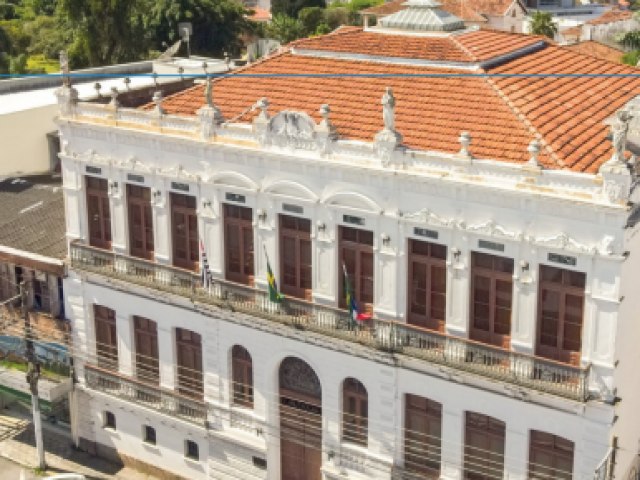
(355, 412)
(242, 376)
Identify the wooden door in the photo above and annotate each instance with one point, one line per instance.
(184, 231)
(238, 244)
(422, 437)
(295, 256)
(550, 456)
(146, 343)
(356, 254)
(560, 314)
(98, 213)
(491, 296)
(106, 337)
(483, 447)
(300, 421)
(189, 350)
(140, 222)
(427, 285)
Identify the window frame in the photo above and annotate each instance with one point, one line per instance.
(562, 289)
(241, 377)
(359, 248)
(188, 444)
(355, 412)
(109, 420)
(300, 235)
(557, 452)
(139, 199)
(186, 206)
(490, 430)
(428, 412)
(105, 325)
(494, 275)
(246, 253)
(190, 380)
(101, 194)
(147, 365)
(430, 262)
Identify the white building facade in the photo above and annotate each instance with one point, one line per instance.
(501, 295)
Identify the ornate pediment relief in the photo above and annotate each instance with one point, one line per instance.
(291, 129)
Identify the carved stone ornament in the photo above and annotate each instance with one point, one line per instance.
(465, 142)
(296, 375)
(326, 132)
(619, 131)
(388, 139)
(292, 129)
(564, 242)
(494, 230)
(427, 216)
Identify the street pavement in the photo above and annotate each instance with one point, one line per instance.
(60, 455)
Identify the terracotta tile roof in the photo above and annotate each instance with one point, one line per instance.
(613, 15)
(568, 112)
(467, 10)
(260, 15)
(459, 8)
(598, 50)
(502, 114)
(469, 47)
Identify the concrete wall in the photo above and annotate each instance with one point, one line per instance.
(24, 148)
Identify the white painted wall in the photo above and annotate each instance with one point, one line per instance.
(588, 428)
(25, 149)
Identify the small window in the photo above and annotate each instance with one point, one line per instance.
(191, 450)
(109, 420)
(149, 434)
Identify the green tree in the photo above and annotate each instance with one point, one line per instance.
(542, 24)
(336, 16)
(217, 24)
(630, 40)
(291, 8)
(311, 17)
(106, 31)
(284, 28)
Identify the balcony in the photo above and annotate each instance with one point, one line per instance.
(147, 395)
(487, 361)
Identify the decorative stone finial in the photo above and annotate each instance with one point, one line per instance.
(64, 68)
(97, 87)
(325, 130)
(534, 151)
(619, 131)
(158, 99)
(465, 141)
(114, 98)
(325, 123)
(263, 105)
(208, 93)
(389, 110)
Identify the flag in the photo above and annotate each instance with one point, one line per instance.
(350, 300)
(274, 294)
(205, 273)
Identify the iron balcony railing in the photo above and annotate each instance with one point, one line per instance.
(148, 395)
(488, 361)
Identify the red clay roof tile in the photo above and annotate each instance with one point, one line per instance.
(503, 114)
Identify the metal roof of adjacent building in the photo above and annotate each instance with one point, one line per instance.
(32, 216)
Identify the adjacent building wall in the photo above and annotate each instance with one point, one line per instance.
(23, 140)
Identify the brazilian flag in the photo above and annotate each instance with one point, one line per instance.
(274, 294)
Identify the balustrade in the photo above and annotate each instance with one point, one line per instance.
(460, 353)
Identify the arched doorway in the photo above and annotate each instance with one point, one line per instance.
(300, 421)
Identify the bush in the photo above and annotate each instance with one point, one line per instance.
(311, 17)
(336, 16)
(631, 58)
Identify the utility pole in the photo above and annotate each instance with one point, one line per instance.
(33, 375)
